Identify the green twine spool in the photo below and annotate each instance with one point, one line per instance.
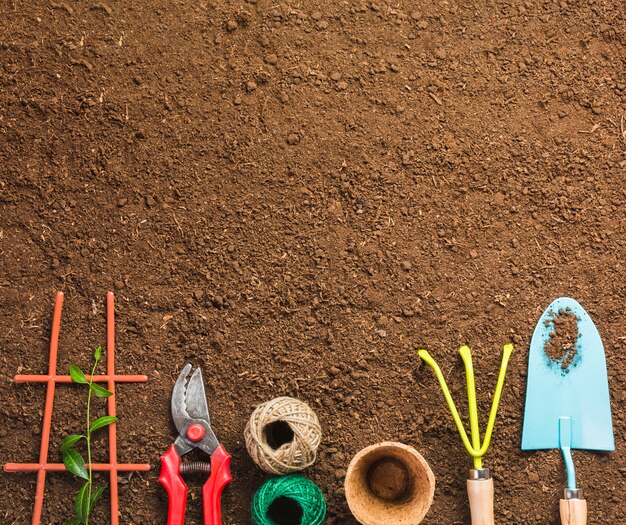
(281, 501)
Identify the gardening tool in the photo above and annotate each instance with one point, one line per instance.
(480, 483)
(567, 399)
(191, 417)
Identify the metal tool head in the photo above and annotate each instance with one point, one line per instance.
(191, 413)
(573, 389)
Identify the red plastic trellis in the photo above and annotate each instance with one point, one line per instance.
(113, 467)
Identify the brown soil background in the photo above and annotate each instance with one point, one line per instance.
(296, 197)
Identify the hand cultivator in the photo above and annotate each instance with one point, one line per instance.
(480, 483)
(191, 417)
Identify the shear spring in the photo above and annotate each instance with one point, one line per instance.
(195, 467)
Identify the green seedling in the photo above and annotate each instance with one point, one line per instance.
(87, 496)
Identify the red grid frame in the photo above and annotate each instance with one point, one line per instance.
(51, 379)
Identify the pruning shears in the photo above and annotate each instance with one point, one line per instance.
(191, 417)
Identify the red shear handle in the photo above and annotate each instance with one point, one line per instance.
(175, 486)
(212, 490)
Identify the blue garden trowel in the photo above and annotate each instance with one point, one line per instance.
(567, 395)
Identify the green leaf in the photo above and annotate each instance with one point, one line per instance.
(81, 502)
(96, 495)
(78, 376)
(102, 422)
(70, 440)
(97, 353)
(100, 391)
(75, 521)
(75, 463)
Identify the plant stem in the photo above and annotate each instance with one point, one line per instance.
(93, 371)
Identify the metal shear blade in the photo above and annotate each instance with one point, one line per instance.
(189, 406)
(189, 399)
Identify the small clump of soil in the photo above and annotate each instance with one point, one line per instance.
(561, 345)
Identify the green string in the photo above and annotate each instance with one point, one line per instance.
(306, 494)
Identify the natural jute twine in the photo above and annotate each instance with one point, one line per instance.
(293, 456)
(304, 492)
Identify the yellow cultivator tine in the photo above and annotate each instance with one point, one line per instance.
(466, 355)
(475, 449)
(506, 354)
(446, 393)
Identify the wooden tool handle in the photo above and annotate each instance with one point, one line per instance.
(573, 511)
(480, 495)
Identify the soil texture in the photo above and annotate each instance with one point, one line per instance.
(388, 479)
(297, 196)
(561, 344)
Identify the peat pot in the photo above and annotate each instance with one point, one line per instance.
(389, 484)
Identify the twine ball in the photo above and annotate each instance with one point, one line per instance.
(298, 498)
(282, 435)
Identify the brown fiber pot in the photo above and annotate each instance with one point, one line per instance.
(389, 484)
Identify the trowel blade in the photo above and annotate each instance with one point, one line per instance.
(579, 391)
